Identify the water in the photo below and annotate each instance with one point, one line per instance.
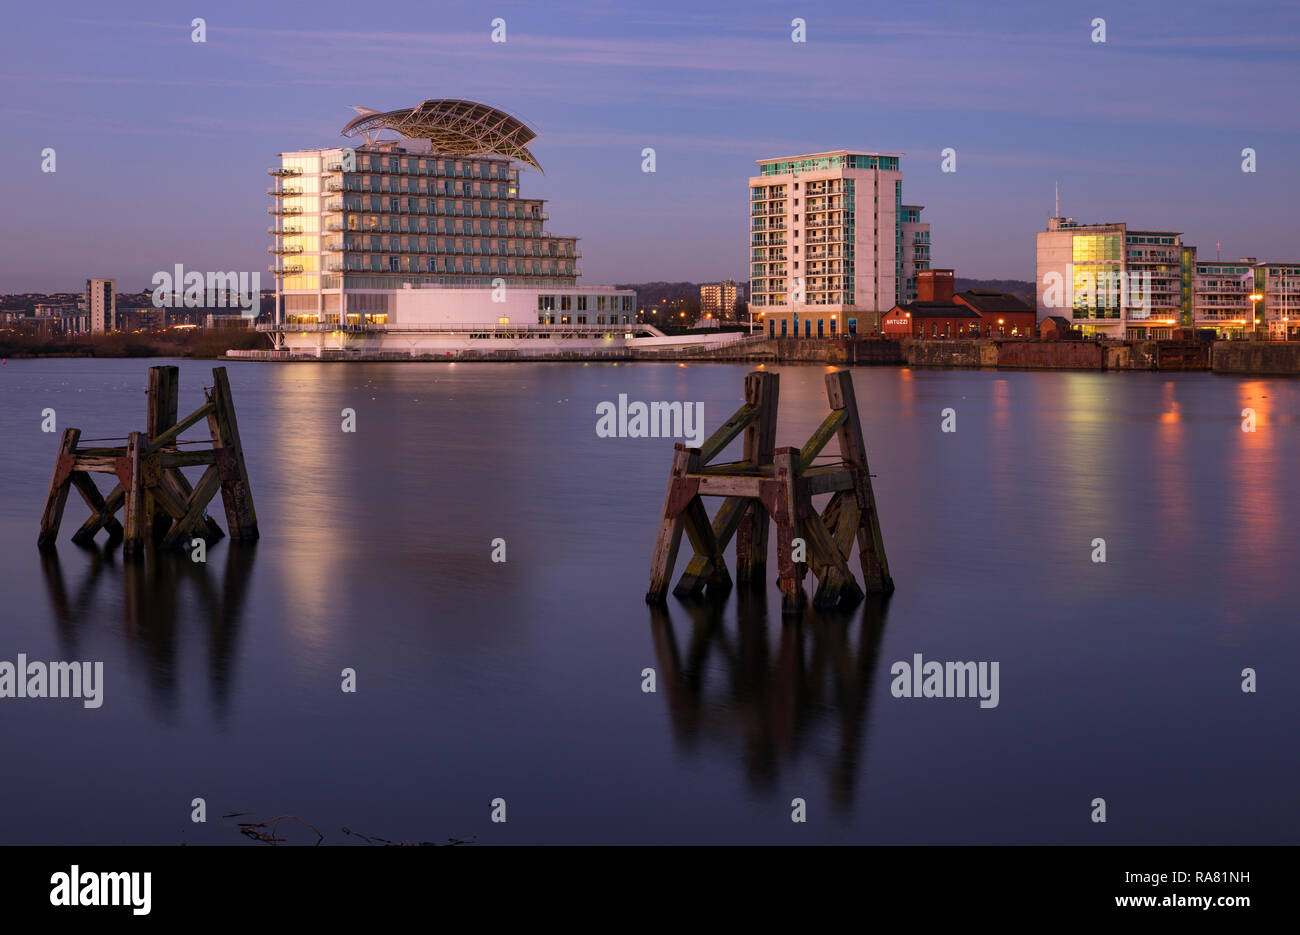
(478, 680)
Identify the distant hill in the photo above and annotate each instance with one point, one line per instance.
(686, 295)
(1018, 287)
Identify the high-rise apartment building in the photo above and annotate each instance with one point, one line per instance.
(915, 248)
(718, 299)
(101, 305)
(829, 251)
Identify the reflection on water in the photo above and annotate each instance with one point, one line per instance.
(521, 679)
(730, 688)
(152, 620)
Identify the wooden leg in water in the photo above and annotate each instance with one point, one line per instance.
(701, 571)
(133, 542)
(762, 390)
(98, 508)
(103, 518)
(57, 498)
(236, 494)
(871, 544)
(790, 572)
(669, 538)
(713, 567)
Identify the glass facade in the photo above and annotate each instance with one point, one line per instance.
(1098, 267)
(837, 161)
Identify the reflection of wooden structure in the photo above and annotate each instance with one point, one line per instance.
(778, 483)
(158, 501)
(158, 621)
(802, 696)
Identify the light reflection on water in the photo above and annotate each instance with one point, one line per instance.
(523, 679)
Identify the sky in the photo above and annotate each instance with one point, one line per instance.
(162, 144)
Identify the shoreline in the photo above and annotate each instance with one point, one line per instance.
(1235, 358)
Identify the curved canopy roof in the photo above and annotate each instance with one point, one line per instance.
(457, 128)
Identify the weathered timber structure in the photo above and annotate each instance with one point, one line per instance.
(160, 505)
(776, 483)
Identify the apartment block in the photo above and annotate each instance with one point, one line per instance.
(101, 305)
(718, 299)
(829, 252)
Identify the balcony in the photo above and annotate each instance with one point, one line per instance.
(283, 171)
(283, 249)
(283, 192)
(279, 209)
(282, 231)
(286, 270)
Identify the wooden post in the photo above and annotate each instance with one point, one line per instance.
(762, 390)
(236, 494)
(871, 544)
(669, 539)
(137, 513)
(162, 414)
(57, 498)
(786, 515)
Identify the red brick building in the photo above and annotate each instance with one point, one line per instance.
(1003, 314)
(975, 313)
(1057, 328)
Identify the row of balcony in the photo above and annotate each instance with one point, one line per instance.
(472, 251)
(511, 175)
(337, 227)
(423, 192)
(352, 268)
(363, 166)
(335, 207)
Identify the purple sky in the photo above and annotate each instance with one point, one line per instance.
(162, 144)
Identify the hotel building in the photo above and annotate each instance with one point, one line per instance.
(832, 246)
(426, 244)
(1113, 281)
(101, 305)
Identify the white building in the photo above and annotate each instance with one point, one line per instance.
(101, 305)
(425, 244)
(832, 247)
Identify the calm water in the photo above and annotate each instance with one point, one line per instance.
(523, 680)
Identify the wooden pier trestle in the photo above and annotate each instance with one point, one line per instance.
(160, 506)
(778, 483)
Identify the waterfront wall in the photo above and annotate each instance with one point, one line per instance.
(1229, 357)
(1060, 355)
(1257, 357)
